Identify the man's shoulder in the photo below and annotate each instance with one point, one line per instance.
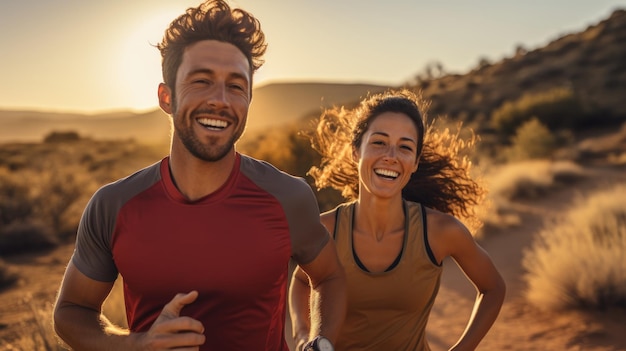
(260, 169)
(131, 184)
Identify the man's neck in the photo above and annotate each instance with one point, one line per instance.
(196, 178)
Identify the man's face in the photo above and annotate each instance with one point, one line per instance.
(213, 89)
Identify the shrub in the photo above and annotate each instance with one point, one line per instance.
(25, 236)
(580, 261)
(531, 179)
(532, 140)
(15, 203)
(57, 191)
(558, 108)
(8, 276)
(61, 137)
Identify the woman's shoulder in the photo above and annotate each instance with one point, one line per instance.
(329, 218)
(444, 224)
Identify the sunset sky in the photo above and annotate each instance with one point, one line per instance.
(96, 56)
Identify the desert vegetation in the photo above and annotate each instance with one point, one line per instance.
(580, 260)
(537, 138)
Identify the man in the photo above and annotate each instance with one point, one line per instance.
(202, 238)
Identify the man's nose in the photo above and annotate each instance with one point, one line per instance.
(217, 97)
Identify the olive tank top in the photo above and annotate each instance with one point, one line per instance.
(388, 310)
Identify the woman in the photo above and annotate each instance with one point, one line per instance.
(407, 187)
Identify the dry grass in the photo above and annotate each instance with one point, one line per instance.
(8, 276)
(580, 261)
(526, 180)
(39, 335)
(38, 329)
(531, 179)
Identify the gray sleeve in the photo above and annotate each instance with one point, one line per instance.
(308, 235)
(92, 255)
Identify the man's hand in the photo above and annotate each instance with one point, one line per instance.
(171, 331)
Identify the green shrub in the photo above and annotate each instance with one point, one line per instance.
(558, 108)
(532, 140)
(580, 261)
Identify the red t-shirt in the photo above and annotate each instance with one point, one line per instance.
(233, 246)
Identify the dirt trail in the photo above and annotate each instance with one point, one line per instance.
(519, 325)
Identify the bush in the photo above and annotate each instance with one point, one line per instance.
(558, 108)
(531, 179)
(8, 276)
(61, 137)
(15, 202)
(580, 261)
(26, 236)
(532, 140)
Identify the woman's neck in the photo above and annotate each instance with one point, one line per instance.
(378, 217)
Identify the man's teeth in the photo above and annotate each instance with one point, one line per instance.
(213, 123)
(387, 173)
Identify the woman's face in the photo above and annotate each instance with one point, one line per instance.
(388, 155)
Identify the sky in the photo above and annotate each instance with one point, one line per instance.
(98, 56)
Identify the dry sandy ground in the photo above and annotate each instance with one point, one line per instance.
(519, 326)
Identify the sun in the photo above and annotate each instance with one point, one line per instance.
(139, 66)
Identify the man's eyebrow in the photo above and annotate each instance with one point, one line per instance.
(209, 71)
(202, 71)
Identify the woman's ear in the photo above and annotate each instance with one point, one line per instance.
(417, 162)
(165, 98)
(355, 155)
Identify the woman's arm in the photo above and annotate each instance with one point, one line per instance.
(454, 240)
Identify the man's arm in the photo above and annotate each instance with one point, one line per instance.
(299, 307)
(78, 320)
(327, 294)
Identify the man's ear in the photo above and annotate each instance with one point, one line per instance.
(165, 98)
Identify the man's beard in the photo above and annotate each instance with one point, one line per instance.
(210, 152)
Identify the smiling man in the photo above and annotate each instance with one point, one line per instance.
(204, 237)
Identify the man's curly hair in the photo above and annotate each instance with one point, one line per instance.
(211, 20)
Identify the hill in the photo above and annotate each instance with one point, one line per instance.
(592, 63)
(277, 103)
(273, 104)
(19, 126)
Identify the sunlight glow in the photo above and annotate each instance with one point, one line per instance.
(139, 62)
